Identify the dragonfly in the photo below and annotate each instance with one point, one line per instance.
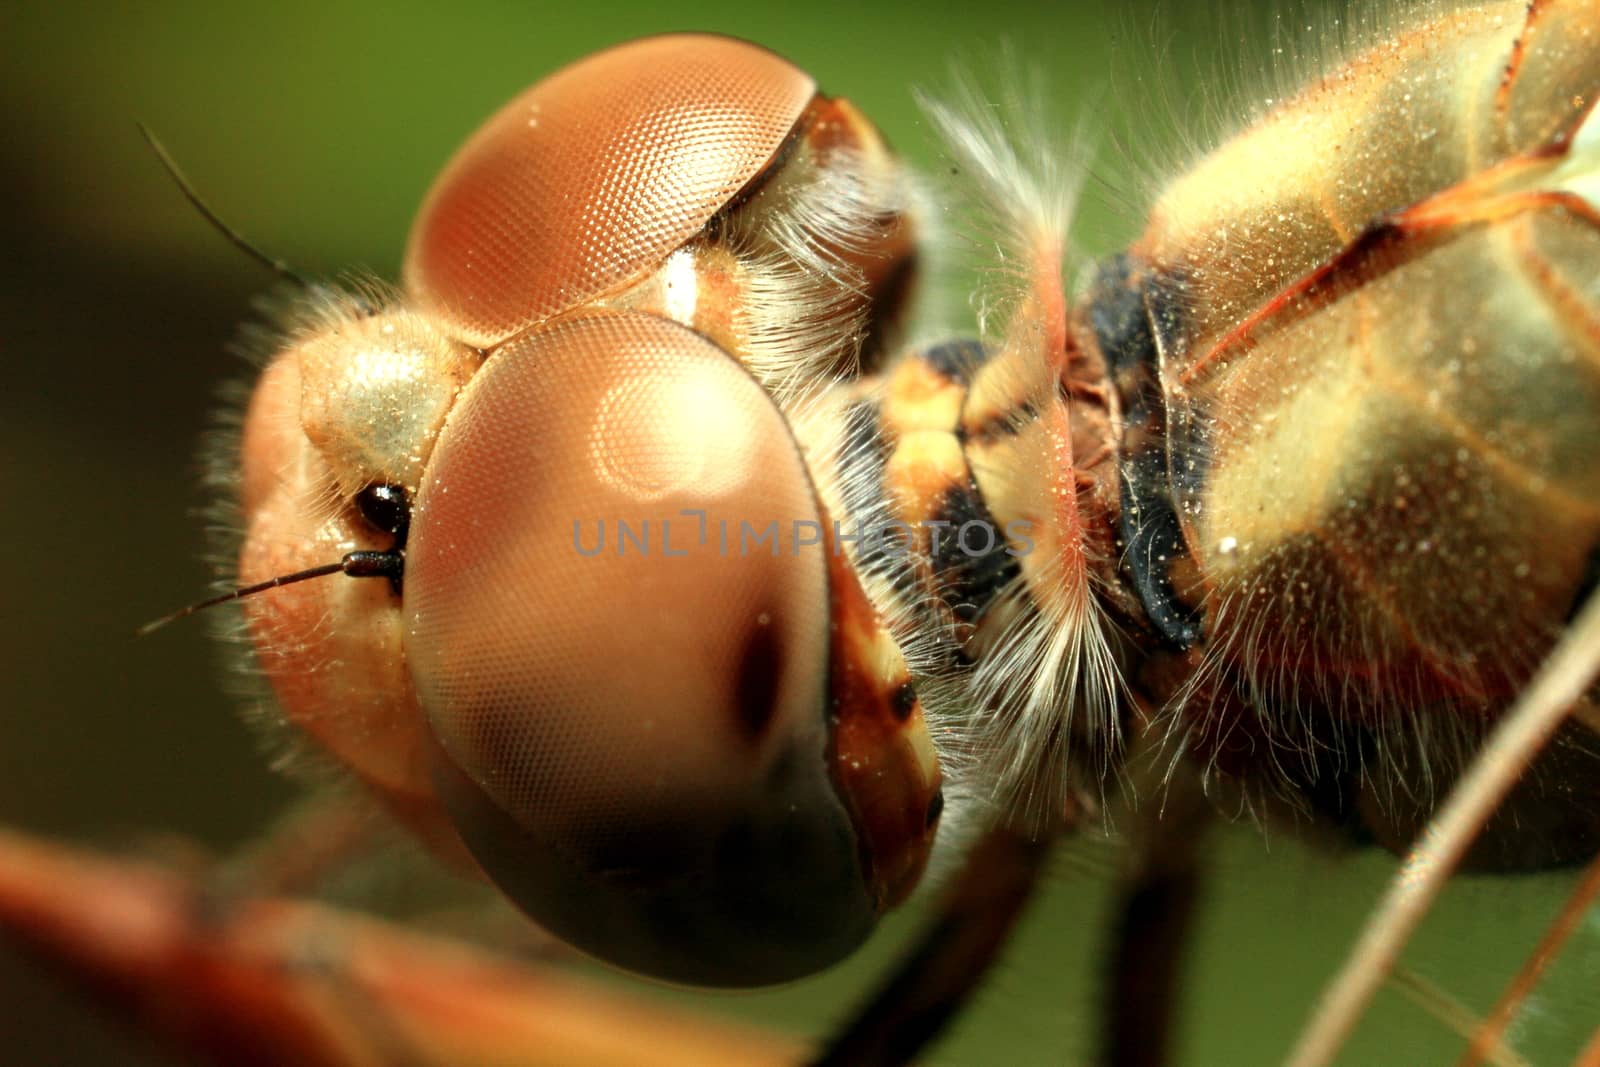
(1132, 584)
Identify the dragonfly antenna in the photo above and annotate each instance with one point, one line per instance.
(231, 235)
(355, 564)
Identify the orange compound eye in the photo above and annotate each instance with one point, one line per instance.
(590, 178)
(622, 650)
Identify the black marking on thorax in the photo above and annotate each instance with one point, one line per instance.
(970, 563)
(967, 551)
(1129, 310)
(956, 360)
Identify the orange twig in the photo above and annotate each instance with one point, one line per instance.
(1533, 968)
(273, 981)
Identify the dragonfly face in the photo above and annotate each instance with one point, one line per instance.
(707, 588)
(622, 667)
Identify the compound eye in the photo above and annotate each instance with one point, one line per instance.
(588, 179)
(622, 654)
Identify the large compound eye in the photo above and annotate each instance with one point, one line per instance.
(590, 178)
(622, 649)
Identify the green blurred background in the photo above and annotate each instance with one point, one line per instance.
(315, 130)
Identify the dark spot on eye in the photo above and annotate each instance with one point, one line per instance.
(756, 689)
(903, 700)
(935, 808)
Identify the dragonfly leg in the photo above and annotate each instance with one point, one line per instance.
(949, 959)
(1152, 919)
